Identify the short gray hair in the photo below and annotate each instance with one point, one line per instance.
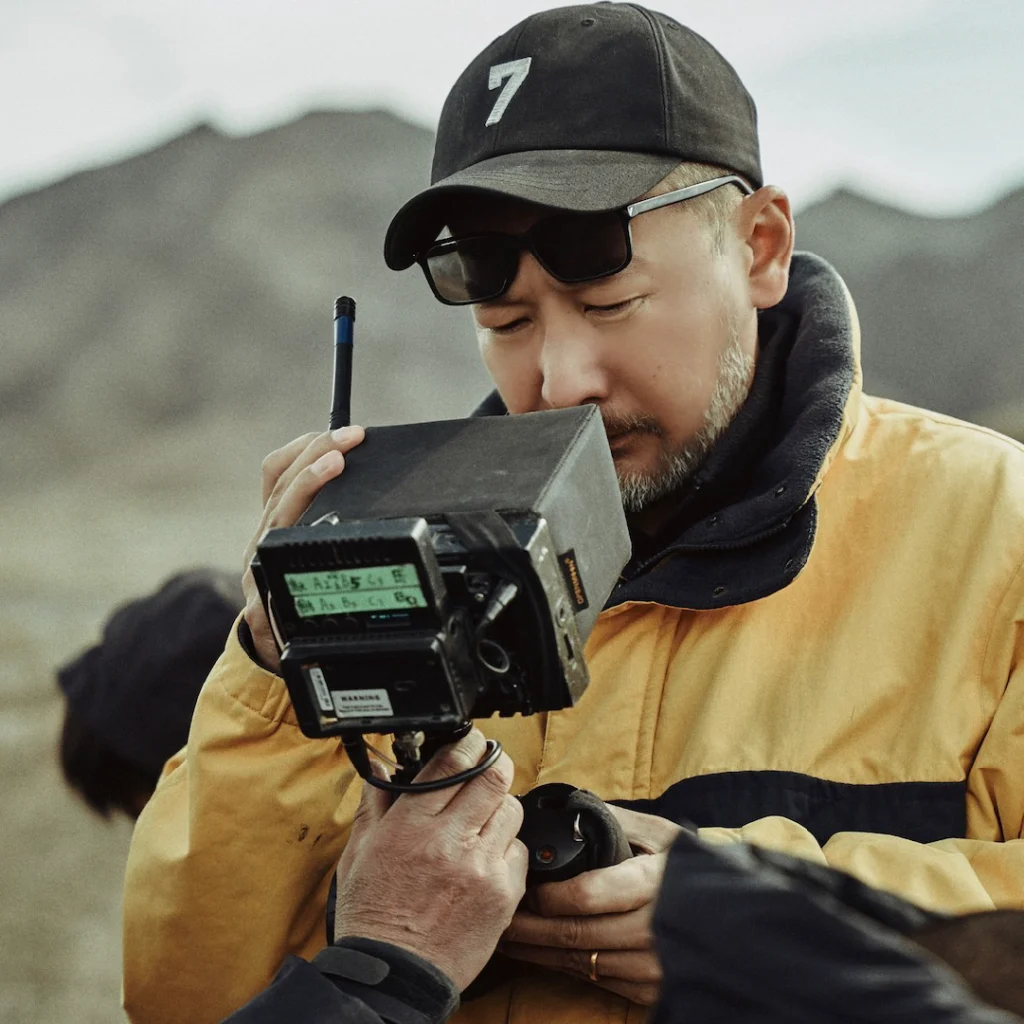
(714, 208)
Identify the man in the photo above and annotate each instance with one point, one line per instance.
(818, 646)
(129, 698)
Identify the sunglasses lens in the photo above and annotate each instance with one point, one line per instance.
(571, 246)
(582, 246)
(472, 269)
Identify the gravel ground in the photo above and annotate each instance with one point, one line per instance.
(71, 550)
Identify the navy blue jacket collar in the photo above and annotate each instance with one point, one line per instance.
(746, 522)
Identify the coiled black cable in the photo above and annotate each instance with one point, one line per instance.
(355, 747)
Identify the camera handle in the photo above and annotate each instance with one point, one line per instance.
(355, 747)
(567, 831)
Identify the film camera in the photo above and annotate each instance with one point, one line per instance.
(454, 571)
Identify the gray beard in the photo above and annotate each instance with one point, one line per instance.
(735, 374)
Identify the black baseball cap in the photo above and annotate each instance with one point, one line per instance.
(581, 108)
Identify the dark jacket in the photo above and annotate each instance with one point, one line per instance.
(748, 935)
(355, 981)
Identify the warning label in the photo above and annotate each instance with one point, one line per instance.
(361, 703)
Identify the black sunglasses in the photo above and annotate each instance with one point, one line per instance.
(571, 247)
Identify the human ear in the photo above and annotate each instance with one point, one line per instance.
(765, 224)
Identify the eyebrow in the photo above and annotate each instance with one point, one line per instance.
(636, 261)
(501, 300)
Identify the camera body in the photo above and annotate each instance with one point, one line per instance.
(454, 571)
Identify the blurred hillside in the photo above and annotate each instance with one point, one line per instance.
(198, 279)
(165, 322)
(941, 301)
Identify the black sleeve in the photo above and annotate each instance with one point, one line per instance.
(301, 994)
(747, 935)
(354, 981)
(244, 634)
(402, 987)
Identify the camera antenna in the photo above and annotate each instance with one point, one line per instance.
(410, 747)
(341, 400)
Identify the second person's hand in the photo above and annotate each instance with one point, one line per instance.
(439, 874)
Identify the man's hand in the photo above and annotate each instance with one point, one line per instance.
(608, 911)
(292, 477)
(439, 874)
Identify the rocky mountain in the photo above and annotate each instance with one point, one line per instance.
(941, 300)
(195, 282)
(198, 279)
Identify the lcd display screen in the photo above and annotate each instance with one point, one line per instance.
(376, 588)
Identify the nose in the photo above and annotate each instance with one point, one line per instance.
(570, 364)
(569, 352)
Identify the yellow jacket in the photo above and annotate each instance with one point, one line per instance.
(866, 712)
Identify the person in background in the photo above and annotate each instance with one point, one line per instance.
(129, 699)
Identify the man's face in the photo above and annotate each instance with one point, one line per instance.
(665, 348)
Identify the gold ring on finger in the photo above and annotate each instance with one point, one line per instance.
(593, 965)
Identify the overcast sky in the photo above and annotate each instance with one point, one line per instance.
(914, 101)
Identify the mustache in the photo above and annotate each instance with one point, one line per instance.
(615, 425)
